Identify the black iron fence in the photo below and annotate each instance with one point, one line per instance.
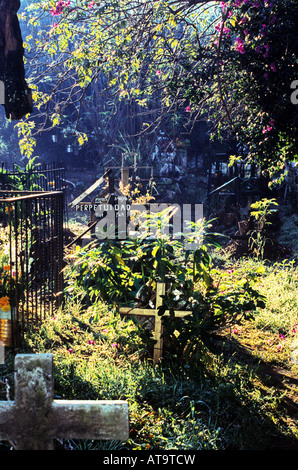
(31, 225)
(44, 176)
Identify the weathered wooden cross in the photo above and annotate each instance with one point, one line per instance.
(158, 329)
(34, 420)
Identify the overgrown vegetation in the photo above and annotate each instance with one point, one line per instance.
(126, 272)
(124, 74)
(224, 399)
(230, 62)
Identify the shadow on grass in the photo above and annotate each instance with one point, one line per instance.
(248, 400)
(274, 402)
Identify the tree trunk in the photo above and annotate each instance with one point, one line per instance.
(18, 99)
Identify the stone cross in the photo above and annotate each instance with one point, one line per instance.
(34, 420)
(158, 347)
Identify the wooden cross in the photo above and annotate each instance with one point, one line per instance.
(158, 329)
(34, 420)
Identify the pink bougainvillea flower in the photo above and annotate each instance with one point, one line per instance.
(158, 72)
(91, 4)
(115, 345)
(187, 109)
(240, 45)
(91, 342)
(267, 47)
(58, 10)
(273, 19)
(273, 68)
(219, 26)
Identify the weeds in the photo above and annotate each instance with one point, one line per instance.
(221, 400)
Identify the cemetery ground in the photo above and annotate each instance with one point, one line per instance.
(241, 395)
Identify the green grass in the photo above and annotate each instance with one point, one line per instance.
(221, 400)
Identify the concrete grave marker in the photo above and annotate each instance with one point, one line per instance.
(34, 419)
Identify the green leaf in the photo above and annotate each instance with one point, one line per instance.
(155, 250)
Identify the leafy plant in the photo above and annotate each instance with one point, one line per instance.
(24, 179)
(224, 301)
(262, 210)
(126, 272)
(225, 402)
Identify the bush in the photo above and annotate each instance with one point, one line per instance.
(126, 272)
(221, 402)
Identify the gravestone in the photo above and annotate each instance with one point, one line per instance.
(109, 206)
(158, 329)
(34, 419)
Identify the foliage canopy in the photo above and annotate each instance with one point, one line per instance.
(229, 63)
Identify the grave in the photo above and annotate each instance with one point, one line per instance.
(110, 199)
(158, 328)
(110, 202)
(34, 419)
(130, 173)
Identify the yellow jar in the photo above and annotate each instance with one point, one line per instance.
(5, 327)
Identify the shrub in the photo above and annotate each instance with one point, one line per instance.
(123, 272)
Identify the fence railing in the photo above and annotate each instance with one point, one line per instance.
(32, 230)
(46, 176)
